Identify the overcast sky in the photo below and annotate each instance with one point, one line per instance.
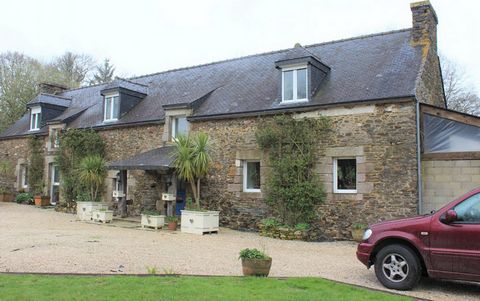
(143, 36)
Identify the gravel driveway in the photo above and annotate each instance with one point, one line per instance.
(40, 240)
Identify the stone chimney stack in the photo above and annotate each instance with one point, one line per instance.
(424, 24)
(51, 88)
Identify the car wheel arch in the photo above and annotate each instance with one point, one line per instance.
(396, 240)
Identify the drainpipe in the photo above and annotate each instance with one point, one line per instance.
(419, 160)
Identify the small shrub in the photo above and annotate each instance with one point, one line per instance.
(24, 198)
(359, 226)
(151, 212)
(152, 270)
(252, 254)
(271, 223)
(169, 271)
(83, 197)
(171, 219)
(302, 226)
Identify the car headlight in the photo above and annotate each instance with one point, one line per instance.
(367, 234)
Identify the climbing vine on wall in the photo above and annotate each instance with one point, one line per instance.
(76, 144)
(36, 163)
(293, 188)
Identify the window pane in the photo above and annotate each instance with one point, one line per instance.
(468, 211)
(108, 108)
(347, 174)
(288, 85)
(301, 83)
(56, 174)
(116, 107)
(181, 126)
(253, 175)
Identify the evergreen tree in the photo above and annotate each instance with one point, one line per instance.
(104, 73)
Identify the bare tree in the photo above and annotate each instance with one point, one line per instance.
(19, 75)
(104, 73)
(458, 91)
(70, 69)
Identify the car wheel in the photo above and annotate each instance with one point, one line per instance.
(398, 267)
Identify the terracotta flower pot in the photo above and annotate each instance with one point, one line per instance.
(172, 226)
(357, 234)
(256, 267)
(41, 201)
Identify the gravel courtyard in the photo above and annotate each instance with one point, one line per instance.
(39, 240)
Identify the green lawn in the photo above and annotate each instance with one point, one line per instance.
(35, 287)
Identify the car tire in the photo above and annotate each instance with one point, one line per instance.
(398, 267)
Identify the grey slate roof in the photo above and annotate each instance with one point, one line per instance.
(56, 100)
(159, 158)
(365, 68)
(127, 84)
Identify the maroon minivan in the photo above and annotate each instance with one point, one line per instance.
(444, 244)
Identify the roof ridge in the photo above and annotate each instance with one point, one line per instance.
(274, 51)
(383, 33)
(254, 55)
(129, 81)
(57, 96)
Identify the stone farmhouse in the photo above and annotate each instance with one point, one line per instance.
(382, 92)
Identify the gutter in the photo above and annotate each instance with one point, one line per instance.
(419, 159)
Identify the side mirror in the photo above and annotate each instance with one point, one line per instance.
(450, 216)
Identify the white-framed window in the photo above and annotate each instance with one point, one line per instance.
(294, 84)
(251, 176)
(179, 126)
(23, 176)
(54, 183)
(111, 108)
(35, 118)
(345, 175)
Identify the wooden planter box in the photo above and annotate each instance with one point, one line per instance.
(199, 222)
(85, 209)
(41, 201)
(6, 197)
(153, 221)
(104, 216)
(256, 267)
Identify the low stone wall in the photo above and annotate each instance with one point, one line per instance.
(286, 233)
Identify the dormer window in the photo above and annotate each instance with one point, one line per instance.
(179, 126)
(35, 118)
(294, 84)
(111, 108)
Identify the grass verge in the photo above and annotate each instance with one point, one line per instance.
(49, 287)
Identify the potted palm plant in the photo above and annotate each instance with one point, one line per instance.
(192, 163)
(92, 174)
(255, 262)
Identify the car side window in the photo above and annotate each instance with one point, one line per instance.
(468, 211)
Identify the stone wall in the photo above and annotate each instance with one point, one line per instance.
(144, 188)
(381, 137)
(444, 181)
(15, 151)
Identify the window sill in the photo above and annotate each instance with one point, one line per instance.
(110, 120)
(345, 191)
(287, 102)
